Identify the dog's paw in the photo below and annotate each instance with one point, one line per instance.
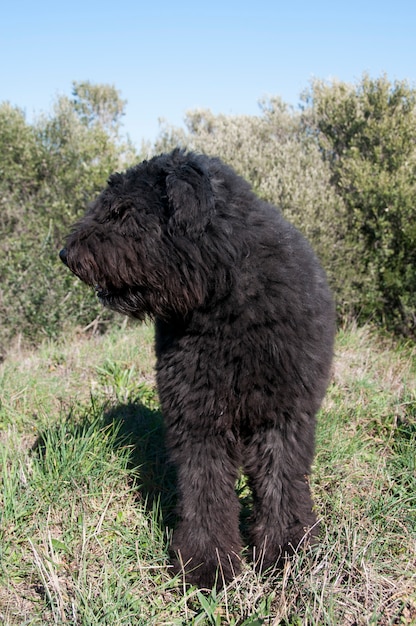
(270, 553)
(206, 573)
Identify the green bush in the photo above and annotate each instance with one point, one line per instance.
(50, 171)
(366, 133)
(342, 169)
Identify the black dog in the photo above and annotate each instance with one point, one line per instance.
(244, 342)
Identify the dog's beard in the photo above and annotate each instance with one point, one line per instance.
(131, 302)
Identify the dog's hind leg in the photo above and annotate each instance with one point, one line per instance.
(206, 543)
(277, 466)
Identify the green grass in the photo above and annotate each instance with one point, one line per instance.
(86, 497)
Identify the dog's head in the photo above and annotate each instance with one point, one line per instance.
(150, 243)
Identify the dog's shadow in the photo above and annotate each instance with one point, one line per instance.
(152, 476)
(142, 429)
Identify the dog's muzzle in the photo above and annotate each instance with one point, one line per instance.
(63, 256)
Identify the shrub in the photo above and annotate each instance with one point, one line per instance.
(50, 171)
(366, 133)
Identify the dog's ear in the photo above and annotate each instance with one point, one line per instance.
(191, 199)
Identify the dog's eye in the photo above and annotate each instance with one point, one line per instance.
(119, 211)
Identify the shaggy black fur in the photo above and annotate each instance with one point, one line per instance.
(244, 341)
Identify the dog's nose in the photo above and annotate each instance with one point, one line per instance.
(62, 256)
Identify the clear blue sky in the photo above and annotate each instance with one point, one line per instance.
(168, 56)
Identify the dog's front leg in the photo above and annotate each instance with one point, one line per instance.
(206, 543)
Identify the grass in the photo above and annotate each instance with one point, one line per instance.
(86, 499)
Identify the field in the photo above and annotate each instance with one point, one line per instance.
(87, 498)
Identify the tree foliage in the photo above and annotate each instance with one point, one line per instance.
(99, 105)
(50, 171)
(342, 169)
(367, 135)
